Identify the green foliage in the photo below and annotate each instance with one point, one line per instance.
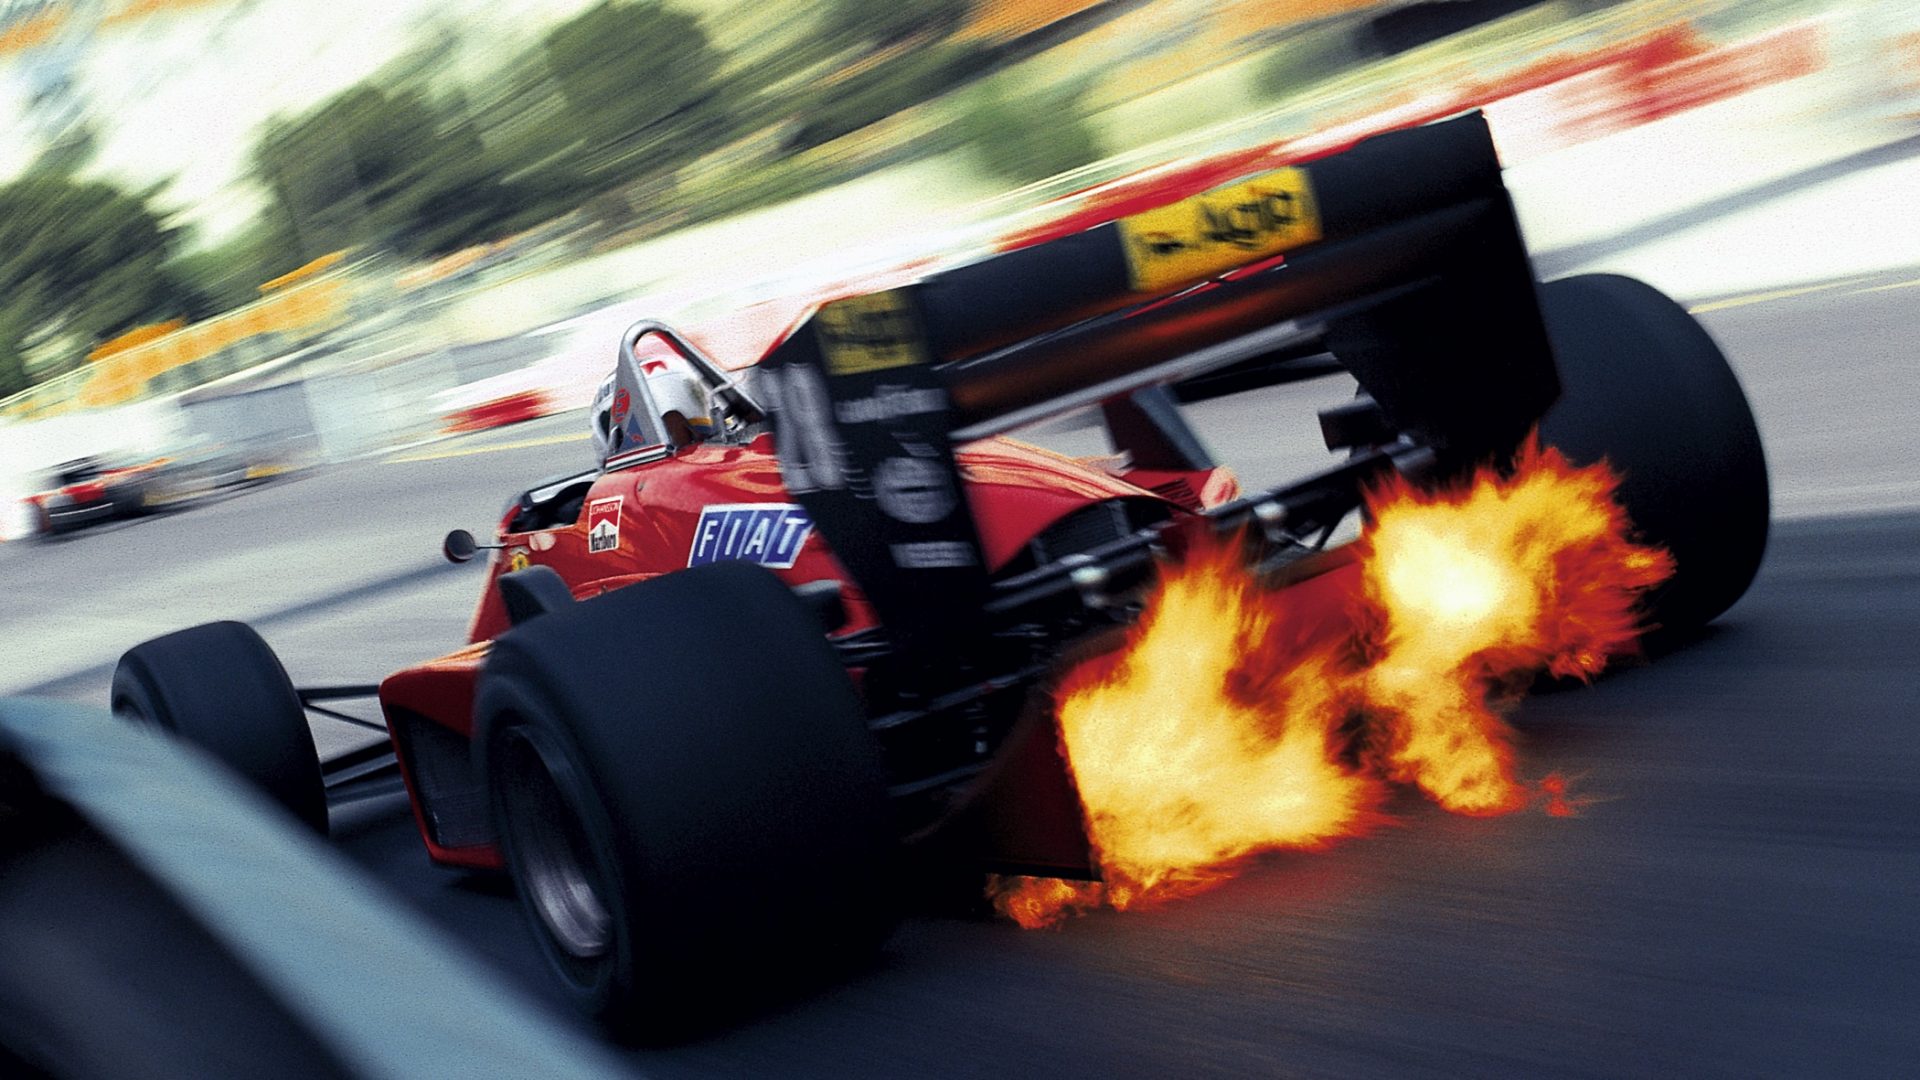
(885, 22)
(82, 258)
(1308, 57)
(72, 150)
(229, 275)
(848, 105)
(621, 91)
(642, 87)
(386, 167)
(14, 323)
(1042, 134)
(615, 101)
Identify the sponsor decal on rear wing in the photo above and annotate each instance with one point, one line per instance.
(1219, 230)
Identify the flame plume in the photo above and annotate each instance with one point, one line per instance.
(1227, 726)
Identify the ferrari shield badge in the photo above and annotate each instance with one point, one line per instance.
(603, 524)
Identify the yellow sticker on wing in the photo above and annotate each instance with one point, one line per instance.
(1205, 235)
(870, 333)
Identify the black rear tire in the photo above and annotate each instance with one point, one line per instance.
(1644, 386)
(221, 687)
(688, 817)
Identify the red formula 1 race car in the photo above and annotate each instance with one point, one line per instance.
(798, 628)
(87, 490)
(92, 490)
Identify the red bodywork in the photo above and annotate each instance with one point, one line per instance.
(1016, 491)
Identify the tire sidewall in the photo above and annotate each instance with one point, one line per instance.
(220, 687)
(739, 800)
(1645, 387)
(506, 706)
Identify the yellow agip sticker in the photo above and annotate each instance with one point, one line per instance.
(1205, 235)
(870, 333)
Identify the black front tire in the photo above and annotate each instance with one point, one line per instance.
(689, 817)
(221, 687)
(1646, 388)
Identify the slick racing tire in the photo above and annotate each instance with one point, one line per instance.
(220, 687)
(688, 818)
(1645, 387)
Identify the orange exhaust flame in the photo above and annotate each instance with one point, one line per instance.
(1223, 729)
(1178, 772)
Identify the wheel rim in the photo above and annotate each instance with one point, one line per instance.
(554, 864)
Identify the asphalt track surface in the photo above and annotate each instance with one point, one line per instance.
(1739, 897)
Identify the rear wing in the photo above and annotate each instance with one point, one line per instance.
(1400, 257)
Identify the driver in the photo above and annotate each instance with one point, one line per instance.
(675, 392)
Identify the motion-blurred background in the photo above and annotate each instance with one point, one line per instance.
(255, 236)
(331, 278)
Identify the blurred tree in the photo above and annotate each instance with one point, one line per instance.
(619, 92)
(71, 152)
(83, 258)
(228, 275)
(524, 122)
(1042, 134)
(383, 167)
(838, 106)
(642, 85)
(1309, 55)
(888, 22)
(15, 320)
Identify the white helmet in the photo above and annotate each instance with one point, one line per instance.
(669, 386)
(676, 387)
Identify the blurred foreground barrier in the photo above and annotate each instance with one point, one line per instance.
(159, 918)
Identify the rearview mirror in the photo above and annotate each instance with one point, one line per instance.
(458, 547)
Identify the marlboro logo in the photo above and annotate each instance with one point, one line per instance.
(603, 524)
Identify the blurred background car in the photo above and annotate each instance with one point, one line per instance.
(85, 491)
(90, 490)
